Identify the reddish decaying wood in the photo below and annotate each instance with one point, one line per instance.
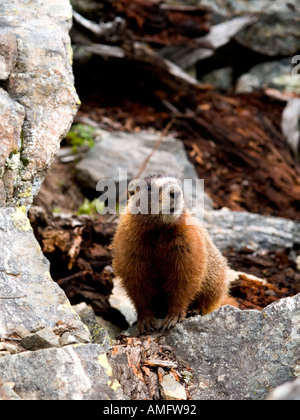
(235, 143)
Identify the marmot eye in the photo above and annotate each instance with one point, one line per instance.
(131, 193)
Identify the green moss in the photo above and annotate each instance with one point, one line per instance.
(13, 152)
(81, 135)
(89, 207)
(24, 161)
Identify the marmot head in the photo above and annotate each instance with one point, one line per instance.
(159, 197)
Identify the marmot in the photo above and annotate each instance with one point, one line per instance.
(166, 260)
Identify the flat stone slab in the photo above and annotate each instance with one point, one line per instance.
(239, 355)
(28, 295)
(79, 372)
(238, 230)
(118, 152)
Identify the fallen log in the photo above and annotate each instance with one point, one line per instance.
(244, 158)
(186, 56)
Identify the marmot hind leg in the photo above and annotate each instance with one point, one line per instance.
(214, 288)
(206, 303)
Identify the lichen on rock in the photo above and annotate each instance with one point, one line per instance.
(39, 100)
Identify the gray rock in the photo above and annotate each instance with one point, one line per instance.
(290, 124)
(274, 74)
(239, 230)
(79, 372)
(171, 389)
(8, 348)
(35, 62)
(21, 331)
(238, 354)
(227, 8)
(118, 152)
(38, 103)
(8, 51)
(277, 31)
(247, 83)
(42, 339)
(11, 121)
(28, 296)
(7, 392)
(219, 35)
(286, 392)
(220, 78)
(274, 34)
(68, 338)
(98, 333)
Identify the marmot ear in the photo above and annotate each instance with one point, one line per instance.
(133, 183)
(136, 185)
(130, 194)
(132, 187)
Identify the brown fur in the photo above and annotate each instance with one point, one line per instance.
(167, 269)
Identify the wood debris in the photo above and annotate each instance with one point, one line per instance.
(146, 361)
(78, 250)
(164, 40)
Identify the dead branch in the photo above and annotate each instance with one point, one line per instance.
(160, 363)
(219, 35)
(110, 30)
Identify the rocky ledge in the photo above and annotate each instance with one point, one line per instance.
(238, 354)
(45, 350)
(37, 93)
